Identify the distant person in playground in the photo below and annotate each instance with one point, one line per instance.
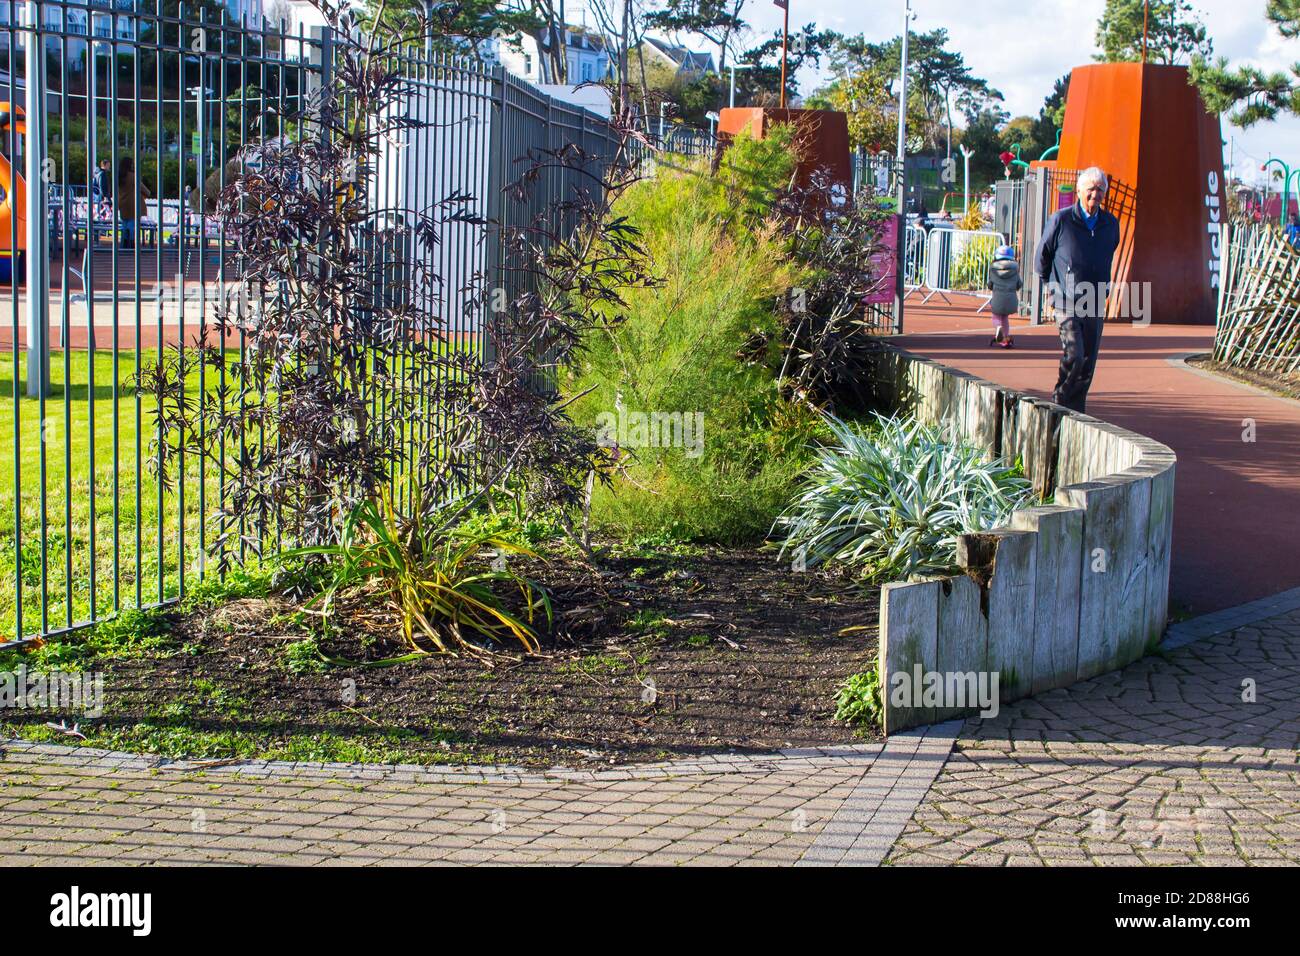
(1004, 282)
(103, 181)
(1293, 229)
(1073, 260)
(131, 198)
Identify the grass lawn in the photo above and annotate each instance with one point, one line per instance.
(131, 525)
(128, 523)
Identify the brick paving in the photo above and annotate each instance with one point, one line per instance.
(60, 805)
(1161, 763)
(1165, 762)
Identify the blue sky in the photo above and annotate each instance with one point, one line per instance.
(1021, 48)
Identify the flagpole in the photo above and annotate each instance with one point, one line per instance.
(785, 42)
(1146, 13)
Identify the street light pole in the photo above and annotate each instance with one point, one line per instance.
(785, 43)
(733, 68)
(900, 245)
(902, 113)
(966, 154)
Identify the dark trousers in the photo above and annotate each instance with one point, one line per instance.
(1080, 343)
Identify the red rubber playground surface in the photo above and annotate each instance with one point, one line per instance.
(1236, 503)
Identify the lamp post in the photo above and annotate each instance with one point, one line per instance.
(901, 237)
(733, 68)
(785, 43)
(1286, 185)
(908, 17)
(966, 154)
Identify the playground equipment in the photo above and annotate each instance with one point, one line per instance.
(1052, 149)
(1287, 173)
(13, 202)
(1012, 158)
(1146, 126)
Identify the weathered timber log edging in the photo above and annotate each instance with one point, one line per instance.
(1066, 591)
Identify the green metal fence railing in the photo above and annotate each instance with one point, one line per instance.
(106, 269)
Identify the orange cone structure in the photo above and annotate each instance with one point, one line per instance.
(821, 138)
(1145, 125)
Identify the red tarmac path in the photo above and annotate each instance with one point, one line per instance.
(1236, 503)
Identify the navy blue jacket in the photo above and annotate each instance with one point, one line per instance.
(1075, 260)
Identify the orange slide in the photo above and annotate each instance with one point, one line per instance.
(13, 190)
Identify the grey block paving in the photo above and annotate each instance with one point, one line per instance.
(1165, 762)
(1184, 758)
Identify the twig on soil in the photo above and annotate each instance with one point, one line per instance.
(363, 716)
(63, 728)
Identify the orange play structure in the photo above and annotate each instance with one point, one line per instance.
(12, 184)
(1147, 127)
(821, 138)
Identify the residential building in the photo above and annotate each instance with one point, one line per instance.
(688, 64)
(585, 53)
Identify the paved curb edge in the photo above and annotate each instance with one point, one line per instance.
(1180, 361)
(863, 830)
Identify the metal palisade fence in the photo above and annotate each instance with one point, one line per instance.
(119, 128)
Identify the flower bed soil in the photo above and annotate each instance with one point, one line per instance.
(649, 657)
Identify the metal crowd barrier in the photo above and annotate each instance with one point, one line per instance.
(957, 262)
(914, 256)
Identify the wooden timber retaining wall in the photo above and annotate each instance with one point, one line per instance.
(1067, 590)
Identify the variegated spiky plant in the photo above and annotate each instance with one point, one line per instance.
(891, 498)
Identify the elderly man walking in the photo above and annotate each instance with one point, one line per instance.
(1073, 260)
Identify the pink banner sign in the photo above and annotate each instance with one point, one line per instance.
(885, 264)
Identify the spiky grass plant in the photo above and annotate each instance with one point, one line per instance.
(891, 498)
(434, 576)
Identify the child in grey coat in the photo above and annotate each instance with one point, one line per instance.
(1005, 282)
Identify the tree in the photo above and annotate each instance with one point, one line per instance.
(865, 100)
(718, 21)
(983, 137)
(1175, 33)
(938, 80)
(695, 99)
(1052, 116)
(623, 30)
(761, 86)
(1036, 135)
(457, 27)
(1019, 132)
(1251, 94)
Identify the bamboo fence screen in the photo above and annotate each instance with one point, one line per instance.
(1258, 321)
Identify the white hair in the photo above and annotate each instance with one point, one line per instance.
(1092, 174)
